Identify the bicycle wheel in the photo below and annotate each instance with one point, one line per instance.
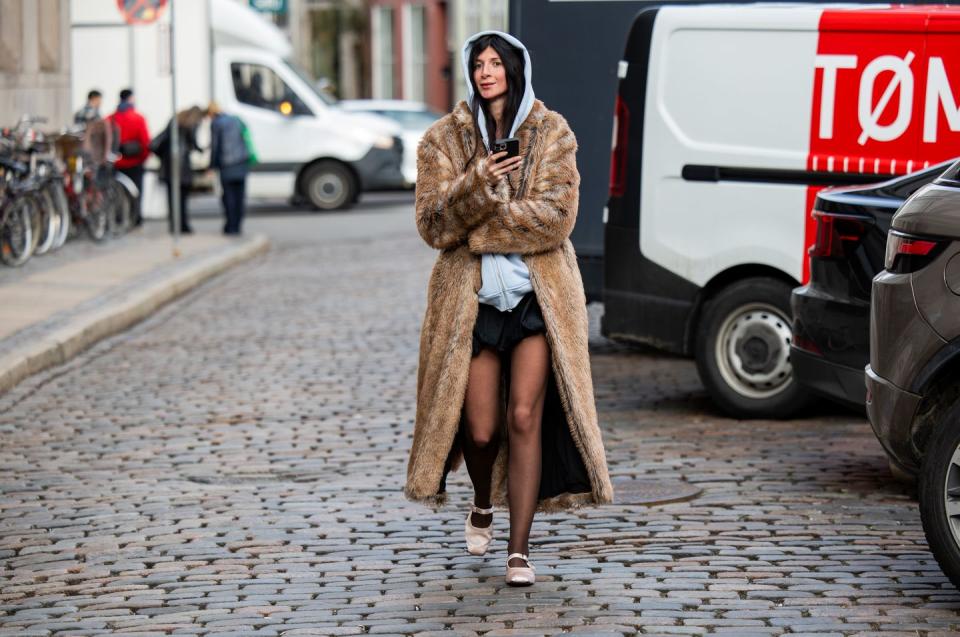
(97, 218)
(36, 218)
(122, 209)
(16, 233)
(62, 208)
(49, 221)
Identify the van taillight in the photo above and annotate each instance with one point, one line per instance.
(837, 235)
(906, 253)
(618, 158)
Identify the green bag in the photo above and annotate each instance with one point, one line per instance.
(252, 158)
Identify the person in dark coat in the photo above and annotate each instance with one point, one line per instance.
(229, 155)
(187, 122)
(134, 145)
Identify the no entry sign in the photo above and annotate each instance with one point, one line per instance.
(141, 11)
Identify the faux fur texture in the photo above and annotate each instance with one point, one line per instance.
(533, 213)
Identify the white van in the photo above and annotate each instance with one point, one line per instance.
(307, 147)
(729, 119)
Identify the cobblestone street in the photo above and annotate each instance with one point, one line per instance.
(234, 465)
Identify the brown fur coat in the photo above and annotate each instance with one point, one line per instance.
(459, 213)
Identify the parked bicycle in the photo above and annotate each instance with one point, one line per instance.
(16, 212)
(53, 186)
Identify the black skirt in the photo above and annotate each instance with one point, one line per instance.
(502, 331)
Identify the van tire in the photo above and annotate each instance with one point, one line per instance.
(935, 471)
(329, 185)
(748, 375)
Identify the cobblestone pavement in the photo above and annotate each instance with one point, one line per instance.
(234, 466)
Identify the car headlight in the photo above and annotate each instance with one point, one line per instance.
(383, 142)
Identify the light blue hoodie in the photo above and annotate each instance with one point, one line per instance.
(505, 277)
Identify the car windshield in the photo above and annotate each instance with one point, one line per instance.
(311, 83)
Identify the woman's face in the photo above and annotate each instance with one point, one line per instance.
(489, 75)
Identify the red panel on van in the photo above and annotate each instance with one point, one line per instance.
(886, 92)
(895, 19)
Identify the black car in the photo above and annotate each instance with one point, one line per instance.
(831, 314)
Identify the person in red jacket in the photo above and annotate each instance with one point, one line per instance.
(134, 145)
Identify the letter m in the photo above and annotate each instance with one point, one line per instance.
(938, 92)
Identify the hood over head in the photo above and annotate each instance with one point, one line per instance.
(526, 104)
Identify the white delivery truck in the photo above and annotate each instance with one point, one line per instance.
(308, 148)
(728, 121)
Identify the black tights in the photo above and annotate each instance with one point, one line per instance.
(529, 366)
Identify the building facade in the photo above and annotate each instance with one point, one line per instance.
(409, 58)
(35, 61)
(388, 49)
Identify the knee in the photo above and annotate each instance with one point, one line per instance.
(480, 437)
(523, 420)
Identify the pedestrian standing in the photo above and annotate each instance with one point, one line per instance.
(518, 347)
(134, 145)
(230, 155)
(187, 123)
(91, 110)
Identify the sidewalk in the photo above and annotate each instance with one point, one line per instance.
(59, 307)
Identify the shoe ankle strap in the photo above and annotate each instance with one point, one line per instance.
(477, 509)
(522, 557)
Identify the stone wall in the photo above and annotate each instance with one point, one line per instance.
(35, 61)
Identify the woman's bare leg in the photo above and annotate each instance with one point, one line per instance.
(481, 409)
(530, 365)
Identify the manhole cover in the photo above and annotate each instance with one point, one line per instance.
(651, 492)
(228, 480)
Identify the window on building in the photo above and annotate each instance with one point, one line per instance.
(259, 86)
(383, 52)
(415, 54)
(473, 18)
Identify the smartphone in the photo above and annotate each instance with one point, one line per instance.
(510, 144)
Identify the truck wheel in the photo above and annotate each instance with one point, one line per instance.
(743, 350)
(939, 491)
(328, 185)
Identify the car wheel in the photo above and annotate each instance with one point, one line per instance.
(939, 491)
(743, 350)
(329, 185)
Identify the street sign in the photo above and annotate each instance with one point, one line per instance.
(269, 6)
(141, 11)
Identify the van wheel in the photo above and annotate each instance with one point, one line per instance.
(743, 350)
(939, 491)
(328, 185)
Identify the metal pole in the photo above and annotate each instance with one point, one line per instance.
(174, 140)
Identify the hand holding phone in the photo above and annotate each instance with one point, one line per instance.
(509, 144)
(505, 158)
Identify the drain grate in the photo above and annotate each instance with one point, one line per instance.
(652, 492)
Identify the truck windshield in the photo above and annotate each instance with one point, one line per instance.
(311, 83)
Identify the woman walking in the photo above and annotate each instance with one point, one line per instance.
(504, 372)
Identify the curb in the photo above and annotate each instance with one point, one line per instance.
(87, 328)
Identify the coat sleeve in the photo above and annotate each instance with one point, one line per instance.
(544, 218)
(449, 202)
